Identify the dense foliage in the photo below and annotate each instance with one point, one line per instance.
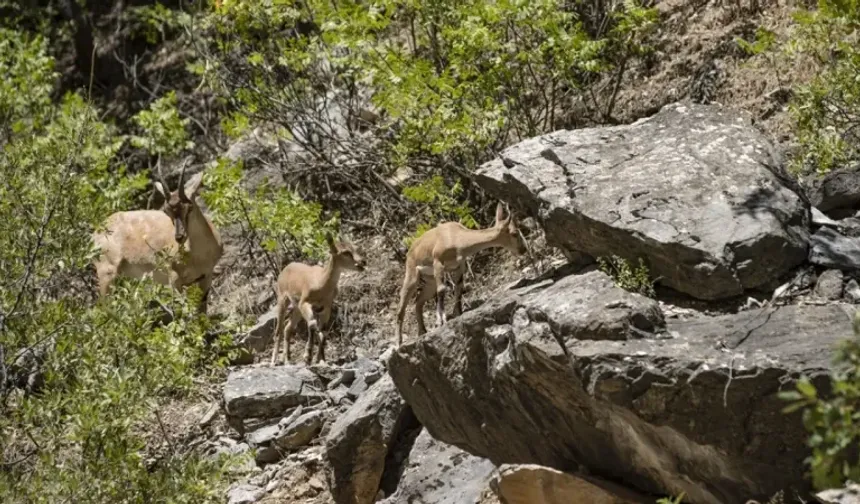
(827, 110)
(369, 89)
(77, 378)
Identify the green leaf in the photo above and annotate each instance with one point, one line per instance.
(806, 388)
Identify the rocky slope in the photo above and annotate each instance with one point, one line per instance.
(565, 387)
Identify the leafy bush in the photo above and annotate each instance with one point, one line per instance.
(275, 219)
(437, 86)
(164, 132)
(827, 110)
(628, 278)
(25, 65)
(439, 204)
(77, 380)
(832, 420)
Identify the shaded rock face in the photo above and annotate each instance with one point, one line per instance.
(691, 407)
(437, 473)
(694, 190)
(534, 484)
(832, 249)
(360, 439)
(839, 189)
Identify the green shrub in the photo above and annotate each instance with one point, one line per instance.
(163, 131)
(636, 279)
(452, 81)
(77, 379)
(827, 110)
(275, 219)
(671, 500)
(25, 65)
(833, 421)
(439, 203)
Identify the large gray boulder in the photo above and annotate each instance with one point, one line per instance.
(439, 473)
(693, 408)
(694, 190)
(360, 439)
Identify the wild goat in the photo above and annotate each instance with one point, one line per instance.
(302, 287)
(132, 241)
(445, 248)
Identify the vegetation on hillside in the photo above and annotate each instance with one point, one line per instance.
(382, 110)
(76, 377)
(827, 110)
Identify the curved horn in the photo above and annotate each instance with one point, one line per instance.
(161, 176)
(181, 187)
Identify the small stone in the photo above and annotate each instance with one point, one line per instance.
(831, 249)
(829, 285)
(372, 376)
(819, 219)
(262, 436)
(302, 431)
(848, 495)
(316, 483)
(267, 455)
(273, 485)
(357, 388)
(244, 494)
(261, 335)
(207, 417)
(365, 365)
(339, 394)
(346, 377)
(291, 417)
(852, 291)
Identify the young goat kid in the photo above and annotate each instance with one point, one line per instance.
(445, 248)
(132, 241)
(302, 287)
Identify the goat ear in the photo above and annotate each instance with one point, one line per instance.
(193, 185)
(330, 241)
(160, 188)
(500, 214)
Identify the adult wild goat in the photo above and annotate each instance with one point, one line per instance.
(445, 248)
(132, 241)
(301, 287)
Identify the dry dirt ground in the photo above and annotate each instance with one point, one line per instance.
(696, 37)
